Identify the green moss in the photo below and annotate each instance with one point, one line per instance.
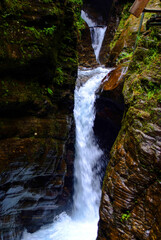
(38, 50)
(142, 93)
(142, 87)
(124, 55)
(124, 16)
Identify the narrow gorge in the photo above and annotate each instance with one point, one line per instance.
(80, 130)
(89, 166)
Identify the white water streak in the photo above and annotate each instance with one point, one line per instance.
(87, 187)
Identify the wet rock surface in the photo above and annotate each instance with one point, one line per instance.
(104, 13)
(113, 20)
(36, 173)
(109, 112)
(100, 8)
(130, 205)
(37, 80)
(86, 53)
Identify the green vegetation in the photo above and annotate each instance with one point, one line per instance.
(38, 32)
(125, 216)
(152, 89)
(50, 91)
(47, 1)
(122, 46)
(79, 22)
(50, 30)
(124, 16)
(124, 55)
(38, 48)
(77, 2)
(143, 87)
(59, 76)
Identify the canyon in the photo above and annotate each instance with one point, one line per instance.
(40, 49)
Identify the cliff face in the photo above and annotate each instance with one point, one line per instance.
(38, 67)
(130, 205)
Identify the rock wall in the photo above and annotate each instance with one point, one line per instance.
(130, 205)
(109, 112)
(106, 13)
(38, 67)
(122, 44)
(100, 7)
(117, 11)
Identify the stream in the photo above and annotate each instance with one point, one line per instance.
(82, 223)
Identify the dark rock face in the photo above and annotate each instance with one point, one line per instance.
(109, 112)
(37, 181)
(86, 53)
(102, 7)
(99, 11)
(130, 205)
(105, 13)
(37, 79)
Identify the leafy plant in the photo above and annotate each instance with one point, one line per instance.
(79, 22)
(37, 33)
(50, 91)
(125, 216)
(50, 30)
(60, 75)
(34, 31)
(124, 55)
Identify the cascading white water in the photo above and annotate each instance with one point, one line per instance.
(87, 187)
(82, 224)
(97, 33)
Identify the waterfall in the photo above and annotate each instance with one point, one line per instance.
(87, 189)
(97, 34)
(82, 224)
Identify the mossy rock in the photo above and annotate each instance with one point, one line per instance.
(126, 34)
